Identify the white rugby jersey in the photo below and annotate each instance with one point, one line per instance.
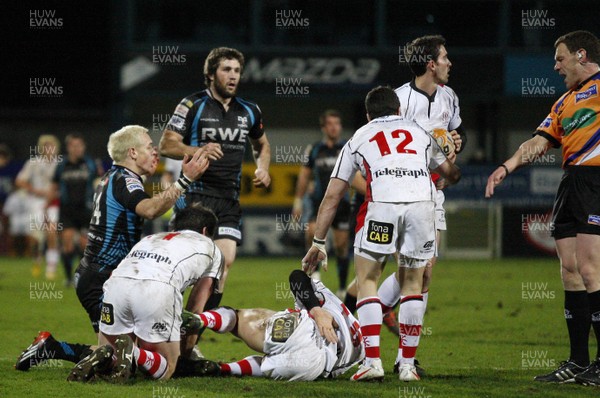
(394, 155)
(177, 258)
(440, 111)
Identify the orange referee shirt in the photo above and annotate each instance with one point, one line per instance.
(574, 123)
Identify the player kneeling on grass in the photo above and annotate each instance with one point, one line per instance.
(320, 338)
(143, 300)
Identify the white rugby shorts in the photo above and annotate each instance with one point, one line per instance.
(149, 309)
(406, 228)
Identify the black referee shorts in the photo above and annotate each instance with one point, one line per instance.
(577, 203)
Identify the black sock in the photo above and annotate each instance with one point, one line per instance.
(342, 270)
(67, 259)
(213, 302)
(594, 303)
(71, 352)
(350, 302)
(577, 315)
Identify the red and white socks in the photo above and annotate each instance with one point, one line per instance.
(249, 366)
(370, 318)
(221, 320)
(411, 322)
(152, 362)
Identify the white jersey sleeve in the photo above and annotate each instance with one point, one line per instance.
(177, 258)
(346, 164)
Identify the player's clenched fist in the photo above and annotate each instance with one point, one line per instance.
(262, 178)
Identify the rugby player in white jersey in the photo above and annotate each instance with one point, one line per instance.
(319, 338)
(394, 155)
(434, 106)
(429, 102)
(143, 299)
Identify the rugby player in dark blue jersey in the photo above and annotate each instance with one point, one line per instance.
(319, 163)
(120, 205)
(221, 122)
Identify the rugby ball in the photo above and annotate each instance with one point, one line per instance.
(444, 140)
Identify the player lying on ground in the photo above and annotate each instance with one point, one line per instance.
(320, 338)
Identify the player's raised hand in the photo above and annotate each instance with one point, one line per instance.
(495, 179)
(194, 166)
(325, 324)
(262, 178)
(317, 254)
(213, 150)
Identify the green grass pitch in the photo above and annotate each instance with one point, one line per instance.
(490, 327)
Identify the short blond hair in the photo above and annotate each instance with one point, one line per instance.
(48, 138)
(121, 140)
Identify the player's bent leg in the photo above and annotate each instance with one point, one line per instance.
(251, 326)
(150, 356)
(229, 249)
(249, 366)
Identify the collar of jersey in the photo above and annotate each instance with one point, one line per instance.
(431, 97)
(583, 83)
(118, 166)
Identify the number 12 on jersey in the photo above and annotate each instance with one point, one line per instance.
(384, 148)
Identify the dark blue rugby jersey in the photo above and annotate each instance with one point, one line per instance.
(321, 160)
(76, 182)
(201, 119)
(115, 227)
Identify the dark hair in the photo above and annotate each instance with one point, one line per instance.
(195, 217)
(581, 39)
(5, 151)
(381, 101)
(328, 113)
(421, 50)
(211, 64)
(74, 136)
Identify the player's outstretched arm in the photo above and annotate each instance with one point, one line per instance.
(171, 145)
(303, 291)
(193, 167)
(317, 254)
(527, 153)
